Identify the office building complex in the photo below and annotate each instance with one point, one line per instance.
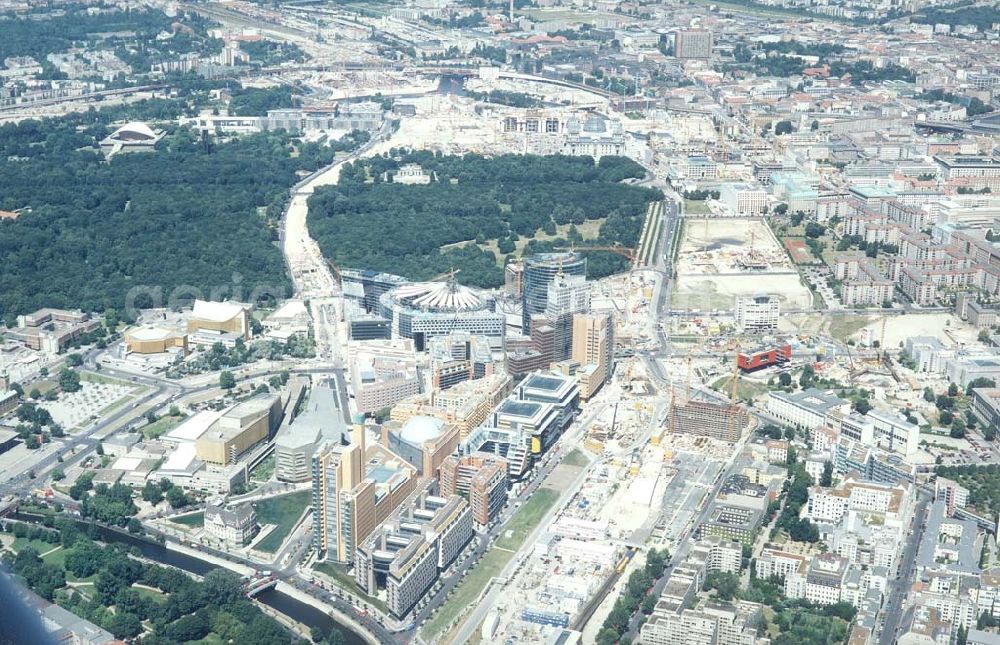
(724, 422)
(380, 379)
(355, 488)
(593, 345)
(423, 441)
(539, 271)
(366, 116)
(567, 296)
(320, 421)
(562, 392)
(693, 43)
(51, 330)
(459, 357)
(424, 310)
(366, 287)
(406, 554)
(480, 478)
(465, 405)
(805, 409)
(241, 428)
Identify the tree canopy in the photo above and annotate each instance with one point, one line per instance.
(420, 231)
(190, 218)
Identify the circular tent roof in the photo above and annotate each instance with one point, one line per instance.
(418, 430)
(135, 131)
(438, 296)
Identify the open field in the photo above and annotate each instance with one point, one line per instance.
(527, 518)
(494, 560)
(194, 520)
(283, 512)
(722, 258)
(941, 325)
(346, 581)
(744, 389)
(705, 293)
(490, 565)
(161, 426)
(576, 458)
(898, 327)
(696, 207)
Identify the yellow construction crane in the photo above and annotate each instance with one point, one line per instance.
(735, 380)
(687, 381)
(735, 415)
(620, 250)
(336, 271)
(450, 274)
(881, 341)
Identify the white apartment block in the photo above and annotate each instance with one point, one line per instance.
(743, 199)
(806, 409)
(757, 313)
(895, 434)
(893, 503)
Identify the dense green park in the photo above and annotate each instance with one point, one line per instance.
(129, 598)
(194, 215)
(370, 222)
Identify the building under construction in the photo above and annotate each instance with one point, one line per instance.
(724, 422)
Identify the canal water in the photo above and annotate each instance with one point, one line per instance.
(281, 602)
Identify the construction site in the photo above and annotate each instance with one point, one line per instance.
(719, 259)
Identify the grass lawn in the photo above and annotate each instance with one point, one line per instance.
(282, 511)
(57, 558)
(154, 595)
(744, 389)
(100, 378)
(42, 386)
(264, 470)
(38, 545)
(696, 207)
(467, 591)
(194, 520)
(161, 426)
(576, 458)
(526, 518)
(843, 327)
(346, 581)
(493, 562)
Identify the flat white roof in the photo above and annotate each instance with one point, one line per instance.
(194, 427)
(215, 311)
(151, 333)
(126, 463)
(291, 309)
(180, 460)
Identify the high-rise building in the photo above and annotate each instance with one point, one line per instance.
(336, 472)
(540, 270)
(567, 296)
(355, 488)
(480, 478)
(594, 344)
(693, 43)
(406, 554)
(513, 282)
(723, 422)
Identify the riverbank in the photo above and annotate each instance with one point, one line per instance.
(337, 615)
(243, 570)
